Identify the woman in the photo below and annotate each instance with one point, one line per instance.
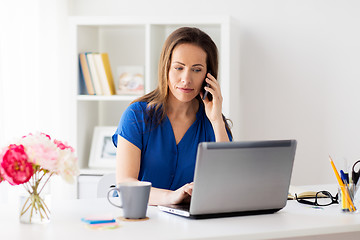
(158, 134)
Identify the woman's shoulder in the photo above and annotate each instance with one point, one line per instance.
(135, 110)
(144, 110)
(137, 106)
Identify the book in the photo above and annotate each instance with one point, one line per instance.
(130, 80)
(109, 75)
(104, 70)
(94, 74)
(85, 74)
(307, 194)
(81, 83)
(101, 73)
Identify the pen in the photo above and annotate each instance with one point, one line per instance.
(344, 178)
(342, 186)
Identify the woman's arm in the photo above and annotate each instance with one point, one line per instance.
(128, 157)
(221, 134)
(127, 161)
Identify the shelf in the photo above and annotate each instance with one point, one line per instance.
(107, 98)
(131, 41)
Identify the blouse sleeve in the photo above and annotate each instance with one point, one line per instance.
(131, 125)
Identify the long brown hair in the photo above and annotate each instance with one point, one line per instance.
(157, 98)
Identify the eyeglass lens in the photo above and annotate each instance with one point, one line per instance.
(322, 198)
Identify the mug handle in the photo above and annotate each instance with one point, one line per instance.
(108, 196)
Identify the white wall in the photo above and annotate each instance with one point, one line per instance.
(33, 87)
(33, 58)
(296, 70)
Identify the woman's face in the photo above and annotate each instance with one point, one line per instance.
(187, 71)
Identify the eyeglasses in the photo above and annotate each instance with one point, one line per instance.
(322, 198)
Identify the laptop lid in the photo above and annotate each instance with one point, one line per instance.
(240, 178)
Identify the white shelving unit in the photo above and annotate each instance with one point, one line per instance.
(131, 41)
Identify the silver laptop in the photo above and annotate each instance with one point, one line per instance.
(239, 178)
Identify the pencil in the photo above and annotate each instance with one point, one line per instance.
(342, 185)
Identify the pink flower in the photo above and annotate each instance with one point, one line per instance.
(44, 155)
(15, 166)
(1, 169)
(35, 152)
(63, 146)
(46, 135)
(43, 134)
(41, 151)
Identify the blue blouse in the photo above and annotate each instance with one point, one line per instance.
(164, 163)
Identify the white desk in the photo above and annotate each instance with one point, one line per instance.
(294, 221)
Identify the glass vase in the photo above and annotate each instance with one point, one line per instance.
(34, 209)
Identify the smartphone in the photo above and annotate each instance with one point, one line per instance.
(206, 93)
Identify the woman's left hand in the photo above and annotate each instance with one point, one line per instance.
(213, 108)
(181, 195)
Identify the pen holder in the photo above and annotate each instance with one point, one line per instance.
(346, 200)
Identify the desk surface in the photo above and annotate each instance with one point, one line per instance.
(293, 221)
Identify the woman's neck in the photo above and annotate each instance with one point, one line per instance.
(177, 108)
